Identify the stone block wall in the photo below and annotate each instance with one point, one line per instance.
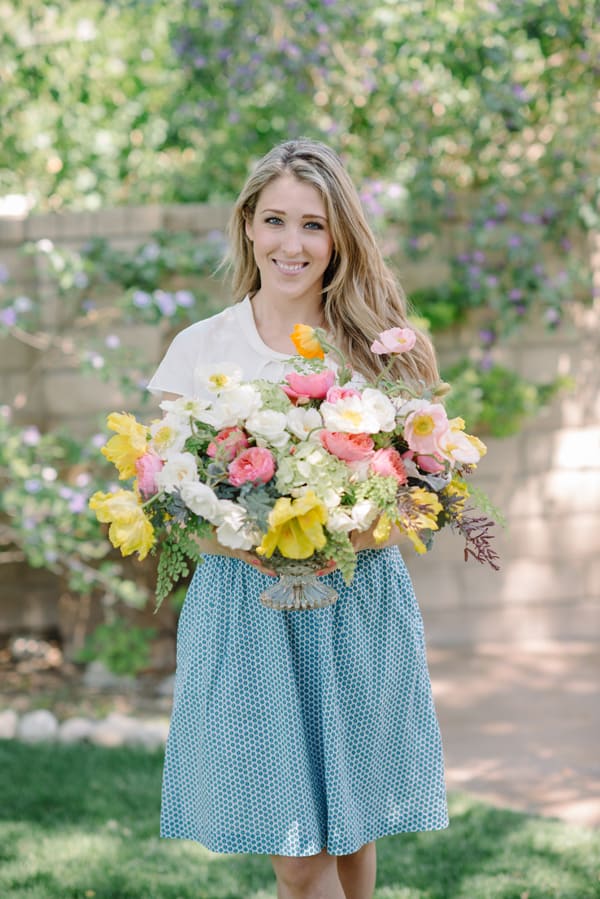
(546, 479)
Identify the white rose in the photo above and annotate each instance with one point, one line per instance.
(269, 425)
(234, 529)
(356, 518)
(169, 434)
(382, 406)
(177, 470)
(231, 407)
(201, 500)
(301, 422)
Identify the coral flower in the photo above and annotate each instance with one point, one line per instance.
(129, 529)
(388, 463)
(394, 341)
(129, 443)
(295, 527)
(314, 387)
(255, 465)
(229, 442)
(349, 447)
(306, 341)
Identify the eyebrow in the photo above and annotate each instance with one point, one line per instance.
(282, 212)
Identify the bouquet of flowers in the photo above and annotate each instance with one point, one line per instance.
(290, 470)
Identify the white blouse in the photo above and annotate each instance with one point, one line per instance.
(229, 336)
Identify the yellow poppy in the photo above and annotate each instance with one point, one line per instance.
(296, 527)
(129, 443)
(130, 531)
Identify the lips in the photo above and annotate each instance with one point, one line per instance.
(289, 268)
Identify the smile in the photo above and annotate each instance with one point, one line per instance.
(290, 268)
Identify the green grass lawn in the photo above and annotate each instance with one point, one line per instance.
(80, 821)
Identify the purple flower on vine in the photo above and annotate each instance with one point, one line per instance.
(8, 317)
(487, 336)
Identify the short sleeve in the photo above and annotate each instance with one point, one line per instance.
(175, 374)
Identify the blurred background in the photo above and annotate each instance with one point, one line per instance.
(471, 130)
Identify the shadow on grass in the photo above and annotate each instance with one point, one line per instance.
(81, 821)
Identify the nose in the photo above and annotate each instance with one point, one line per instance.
(291, 241)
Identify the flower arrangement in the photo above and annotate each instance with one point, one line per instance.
(291, 470)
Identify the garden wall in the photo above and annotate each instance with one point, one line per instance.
(546, 479)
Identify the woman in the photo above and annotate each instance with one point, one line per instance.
(303, 735)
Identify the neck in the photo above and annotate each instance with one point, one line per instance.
(278, 314)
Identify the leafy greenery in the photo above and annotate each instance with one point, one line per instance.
(497, 400)
(124, 648)
(97, 837)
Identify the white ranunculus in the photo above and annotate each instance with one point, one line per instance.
(169, 434)
(382, 406)
(217, 378)
(301, 421)
(351, 415)
(177, 470)
(232, 407)
(201, 500)
(234, 529)
(353, 518)
(269, 425)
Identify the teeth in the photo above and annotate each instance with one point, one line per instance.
(287, 267)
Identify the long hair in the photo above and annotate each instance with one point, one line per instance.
(361, 296)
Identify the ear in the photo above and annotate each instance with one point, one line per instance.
(249, 229)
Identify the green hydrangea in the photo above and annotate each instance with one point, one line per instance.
(314, 466)
(272, 396)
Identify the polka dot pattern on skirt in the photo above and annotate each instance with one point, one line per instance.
(292, 732)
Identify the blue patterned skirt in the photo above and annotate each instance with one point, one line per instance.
(297, 731)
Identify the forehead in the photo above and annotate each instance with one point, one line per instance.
(288, 193)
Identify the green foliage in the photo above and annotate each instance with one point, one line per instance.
(175, 558)
(496, 400)
(123, 647)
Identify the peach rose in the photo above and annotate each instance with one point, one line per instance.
(348, 447)
(229, 441)
(256, 465)
(388, 463)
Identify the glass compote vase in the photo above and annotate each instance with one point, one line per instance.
(298, 586)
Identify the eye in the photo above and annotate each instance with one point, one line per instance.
(314, 226)
(273, 220)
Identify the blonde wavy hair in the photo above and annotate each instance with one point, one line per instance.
(361, 296)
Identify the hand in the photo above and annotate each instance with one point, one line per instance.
(329, 567)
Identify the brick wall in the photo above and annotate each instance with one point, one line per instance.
(546, 479)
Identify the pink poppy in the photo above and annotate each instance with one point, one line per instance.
(425, 427)
(394, 341)
(146, 468)
(313, 386)
(348, 447)
(430, 464)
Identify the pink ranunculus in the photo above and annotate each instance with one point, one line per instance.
(256, 464)
(388, 463)
(340, 393)
(425, 427)
(229, 442)
(394, 341)
(313, 386)
(348, 447)
(147, 467)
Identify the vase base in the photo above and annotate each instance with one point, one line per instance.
(298, 593)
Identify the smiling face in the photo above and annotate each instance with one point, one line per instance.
(291, 239)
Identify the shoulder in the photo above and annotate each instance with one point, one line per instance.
(219, 324)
